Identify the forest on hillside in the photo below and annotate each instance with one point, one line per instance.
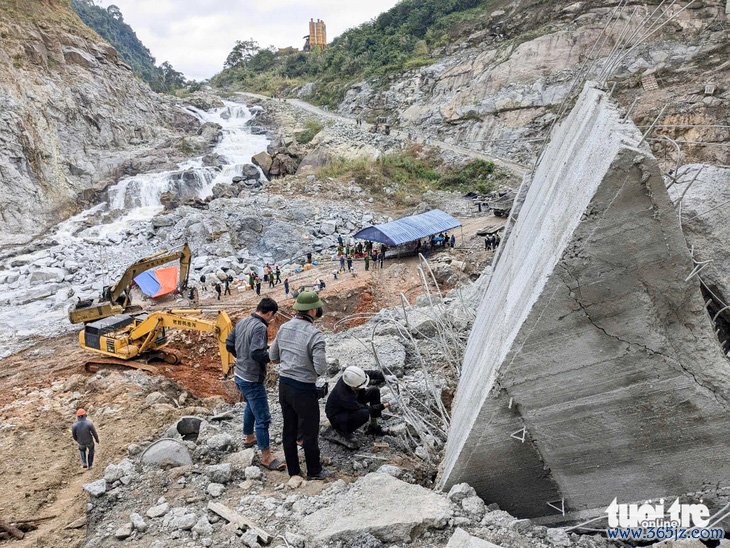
(109, 24)
(401, 38)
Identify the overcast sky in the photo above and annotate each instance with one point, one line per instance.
(197, 35)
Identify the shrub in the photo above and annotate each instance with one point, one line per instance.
(311, 128)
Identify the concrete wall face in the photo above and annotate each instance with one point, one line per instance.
(590, 338)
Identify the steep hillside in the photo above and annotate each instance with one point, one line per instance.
(109, 24)
(494, 74)
(72, 117)
(499, 85)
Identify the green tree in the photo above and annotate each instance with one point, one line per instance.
(242, 51)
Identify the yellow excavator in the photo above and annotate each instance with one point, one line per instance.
(117, 299)
(135, 341)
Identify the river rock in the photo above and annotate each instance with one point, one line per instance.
(167, 453)
(263, 160)
(48, 274)
(418, 509)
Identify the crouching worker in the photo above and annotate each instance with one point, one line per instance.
(351, 404)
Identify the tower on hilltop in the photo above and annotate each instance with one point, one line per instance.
(317, 35)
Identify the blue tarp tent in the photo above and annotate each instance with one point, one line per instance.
(410, 228)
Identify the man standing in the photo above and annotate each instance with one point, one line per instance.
(349, 263)
(300, 348)
(367, 262)
(227, 285)
(84, 434)
(278, 274)
(452, 241)
(286, 286)
(217, 288)
(248, 342)
(258, 286)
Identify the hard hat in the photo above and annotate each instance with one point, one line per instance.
(355, 377)
(307, 300)
(80, 412)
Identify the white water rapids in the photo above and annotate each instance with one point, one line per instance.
(88, 250)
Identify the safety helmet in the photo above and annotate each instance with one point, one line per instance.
(307, 300)
(80, 412)
(355, 377)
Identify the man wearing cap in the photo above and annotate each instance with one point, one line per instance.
(352, 403)
(299, 348)
(84, 434)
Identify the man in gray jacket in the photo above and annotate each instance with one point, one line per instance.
(300, 348)
(249, 343)
(84, 434)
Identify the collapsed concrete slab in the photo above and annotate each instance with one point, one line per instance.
(592, 371)
(380, 505)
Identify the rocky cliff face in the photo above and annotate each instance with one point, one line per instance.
(73, 117)
(500, 88)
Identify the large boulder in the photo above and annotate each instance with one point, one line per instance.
(167, 453)
(369, 503)
(263, 160)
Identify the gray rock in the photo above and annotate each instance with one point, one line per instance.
(45, 275)
(250, 539)
(219, 473)
(203, 527)
(184, 522)
(391, 470)
(96, 488)
(253, 473)
(215, 489)
(134, 449)
(295, 540)
(115, 472)
(241, 460)
(158, 510)
(219, 442)
(418, 509)
(474, 506)
(167, 452)
(460, 491)
(138, 522)
(125, 531)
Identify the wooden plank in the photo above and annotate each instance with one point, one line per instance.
(234, 517)
(14, 531)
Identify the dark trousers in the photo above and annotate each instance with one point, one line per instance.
(87, 455)
(349, 421)
(300, 410)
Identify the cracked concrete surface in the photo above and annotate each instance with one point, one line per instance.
(590, 338)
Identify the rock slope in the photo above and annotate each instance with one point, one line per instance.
(72, 117)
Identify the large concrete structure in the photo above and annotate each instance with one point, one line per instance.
(317, 36)
(592, 371)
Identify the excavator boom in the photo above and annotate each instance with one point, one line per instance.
(115, 300)
(125, 337)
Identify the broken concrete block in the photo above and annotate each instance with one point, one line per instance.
(418, 509)
(125, 531)
(462, 539)
(166, 452)
(592, 357)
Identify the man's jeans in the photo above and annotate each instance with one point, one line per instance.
(87, 455)
(256, 413)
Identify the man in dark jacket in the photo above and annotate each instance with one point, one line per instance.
(352, 403)
(84, 434)
(248, 342)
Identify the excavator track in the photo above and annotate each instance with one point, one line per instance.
(95, 365)
(142, 364)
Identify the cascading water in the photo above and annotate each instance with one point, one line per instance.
(192, 179)
(96, 245)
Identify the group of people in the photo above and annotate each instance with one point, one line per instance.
(346, 253)
(491, 242)
(299, 349)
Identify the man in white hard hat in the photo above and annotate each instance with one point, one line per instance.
(352, 403)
